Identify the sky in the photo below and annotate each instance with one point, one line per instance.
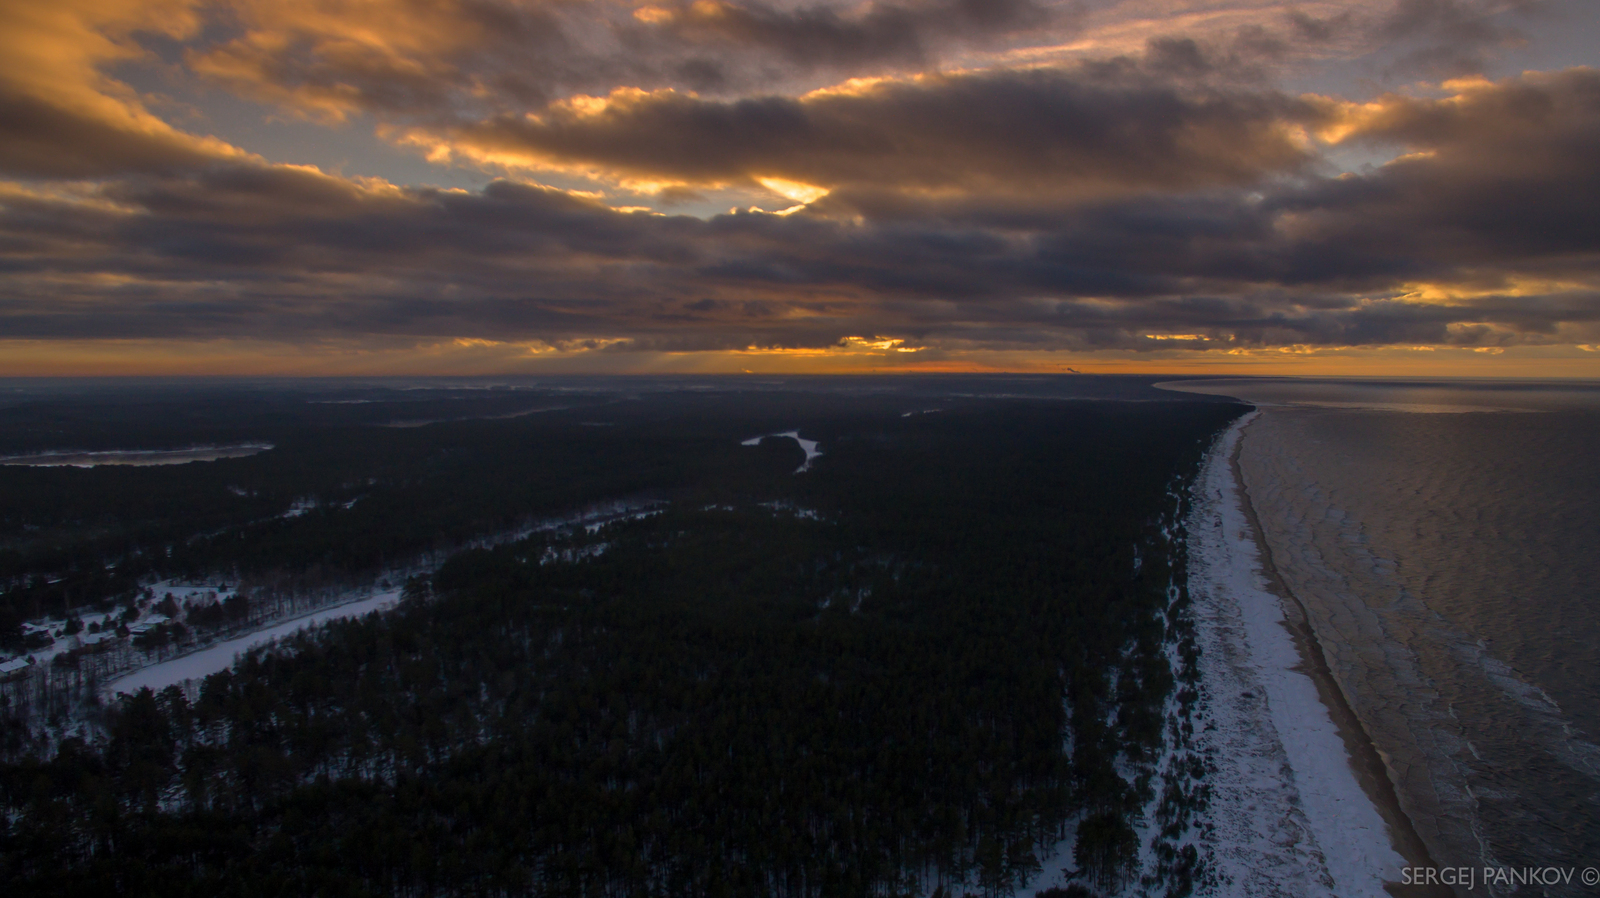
(323, 187)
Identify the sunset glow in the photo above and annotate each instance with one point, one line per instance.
(1384, 187)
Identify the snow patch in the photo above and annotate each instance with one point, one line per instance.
(809, 446)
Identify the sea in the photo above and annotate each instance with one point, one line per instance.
(1444, 538)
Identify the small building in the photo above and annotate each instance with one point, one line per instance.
(94, 643)
(149, 623)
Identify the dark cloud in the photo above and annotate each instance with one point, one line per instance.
(61, 117)
(335, 59)
(1449, 38)
(1397, 40)
(449, 59)
(1484, 235)
(1042, 131)
(823, 36)
(1314, 30)
(1458, 21)
(42, 139)
(1501, 172)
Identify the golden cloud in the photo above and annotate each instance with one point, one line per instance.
(63, 117)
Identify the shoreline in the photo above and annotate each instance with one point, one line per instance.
(1300, 803)
(1365, 761)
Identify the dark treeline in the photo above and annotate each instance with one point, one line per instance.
(342, 496)
(911, 668)
(336, 502)
(336, 499)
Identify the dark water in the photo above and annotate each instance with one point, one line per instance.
(1446, 540)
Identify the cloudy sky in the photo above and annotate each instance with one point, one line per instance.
(472, 186)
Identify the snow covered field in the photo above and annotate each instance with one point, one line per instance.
(221, 656)
(1288, 816)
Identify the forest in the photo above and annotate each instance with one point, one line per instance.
(954, 640)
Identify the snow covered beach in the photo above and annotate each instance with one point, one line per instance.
(1288, 815)
(1299, 803)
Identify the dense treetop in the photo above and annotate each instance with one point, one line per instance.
(913, 666)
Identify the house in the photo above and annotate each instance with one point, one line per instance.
(149, 623)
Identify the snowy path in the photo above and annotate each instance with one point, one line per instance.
(221, 656)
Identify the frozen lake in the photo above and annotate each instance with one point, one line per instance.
(134, 457)
(809, 446)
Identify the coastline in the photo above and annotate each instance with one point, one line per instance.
(1365, 761)
(1301, 804)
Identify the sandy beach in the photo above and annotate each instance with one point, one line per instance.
(1300, 805)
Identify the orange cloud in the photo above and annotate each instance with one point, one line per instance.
(332, 58)
(1057, 133)
(470, 356)
(62, 115)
